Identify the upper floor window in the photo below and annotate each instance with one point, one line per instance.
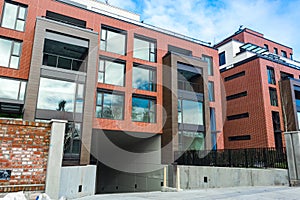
(110, 105)
(291, 56)
(266, 46)
(283, 54)
(209, 61)
(144, 49)
(271, 75)
(143, 110)
(190, 112)
(222, 59)
(144, 78)
(12, 89)
(111, 72)
(273, 97)
(14, 16)
(284, 75)
(275, 50)
(211, 91)
(113, 40)
(10, 52)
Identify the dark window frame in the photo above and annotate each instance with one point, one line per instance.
(12, 52)
(17, 17)
(151, 41)
(275, 51)
(104, 69)
(273, 96)
(115, 30)
(150, 99)
(238, 116)
(102, 101)
(222, 58)
(239, 138)
(271, 75)
(237, 96)
(266, 46)
(234, 76)
(283, 54)
(152, 80)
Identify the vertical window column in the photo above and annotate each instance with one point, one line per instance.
(14, 16)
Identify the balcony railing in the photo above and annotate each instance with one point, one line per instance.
(63, 62)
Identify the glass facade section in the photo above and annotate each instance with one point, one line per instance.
(222, 58)
(211, 91)
(111, 72)
(144, 79)
(110, 106)
(144, 49)
(273, 97)
(56, 95)
(190, 112)
(113, 41)
(14, 16)
(12, 89)
(143, 110)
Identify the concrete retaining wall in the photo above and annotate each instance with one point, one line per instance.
(78, 181)
(195, 177)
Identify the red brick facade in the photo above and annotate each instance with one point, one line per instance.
(24, 151)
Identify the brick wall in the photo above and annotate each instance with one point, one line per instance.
(24, 150)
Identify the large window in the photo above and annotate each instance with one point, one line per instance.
(60, 95)
(190, 112)
(110, 105)
(271, 75)
(113, 40)
(209, 61)
(144, 78)
(191, 140)
(14, 16)
(144, 49)
(273, 97)
(10, 52)
(111, 72)
(211, 91)
(213, 128)
(222, 59)
(143, 110)
(283, 53)
(285, 76)
(12, 89)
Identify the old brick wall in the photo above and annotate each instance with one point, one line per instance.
(24, 150)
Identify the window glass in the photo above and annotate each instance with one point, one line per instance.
(9, 89)
(111, 73)
(273, 97)
(5, 52)
(143, 79)
(192, 112)
(213, 125)
(222, 59)
(56, 95)
(14, 16)
(143, 110)
(271, 76)
(144, 50)
(110, 106)
(210, 65)
(298, 117)
(22, 91)
(211, 91)
(113, 41)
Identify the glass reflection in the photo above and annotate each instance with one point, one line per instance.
(56, 95)
(143, 110)
(9, 89)
(5, 52)
(192, 112)
(113, 42)
(9, 16)
(110, 106)
(141, 49)
(143, 79)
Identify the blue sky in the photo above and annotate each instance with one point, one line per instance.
(212, 21)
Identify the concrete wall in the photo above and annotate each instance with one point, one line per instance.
(193, 177)
(77, 181)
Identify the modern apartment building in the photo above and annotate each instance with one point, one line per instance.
(132, 93)
(257, 73)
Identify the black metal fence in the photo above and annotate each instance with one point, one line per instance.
(244, 158)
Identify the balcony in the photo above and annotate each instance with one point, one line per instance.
(63, 62)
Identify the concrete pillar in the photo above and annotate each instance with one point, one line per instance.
(293, 156)
(55, 157)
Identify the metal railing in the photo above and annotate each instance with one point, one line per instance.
(64, 62)
(244, 158)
